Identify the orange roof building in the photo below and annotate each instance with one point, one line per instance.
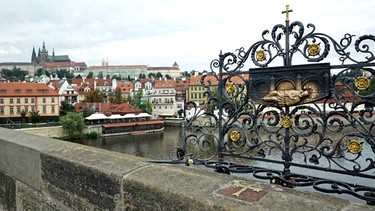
(17, 97)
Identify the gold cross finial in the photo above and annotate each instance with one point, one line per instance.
(287, 11)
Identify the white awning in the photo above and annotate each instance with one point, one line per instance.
(143, 115)
(96, 117)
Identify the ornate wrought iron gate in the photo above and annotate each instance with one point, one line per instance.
(295, 125)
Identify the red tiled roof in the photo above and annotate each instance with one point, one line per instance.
(90, 81)
(168, 83)
(26, 89)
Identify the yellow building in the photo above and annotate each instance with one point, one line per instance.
(16, 97)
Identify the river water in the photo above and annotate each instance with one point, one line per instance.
(153, 146)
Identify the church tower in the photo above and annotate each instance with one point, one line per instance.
(34, 60)
(44, 54)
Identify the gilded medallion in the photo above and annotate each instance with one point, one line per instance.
(313, 49)
(261, 55)
(286, 122)
(230, 88)
(354, 147)
(362, 83)
(235, 136)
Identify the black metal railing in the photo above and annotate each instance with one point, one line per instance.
(294, 125)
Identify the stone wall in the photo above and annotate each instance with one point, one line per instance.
(38, 173)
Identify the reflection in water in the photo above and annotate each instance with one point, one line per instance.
(152, 145)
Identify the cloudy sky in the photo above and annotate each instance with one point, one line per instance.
(160, 32)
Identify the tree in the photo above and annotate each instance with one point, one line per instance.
(63, 73)
(87, 112)
(90, 75)
(159, 75)
(94, 96)
(73, 123)
(138, 100)
(23, 116)
(151, 75)
(116, 96)
(168, 76)
(79, 76)
(34, 116)
(65, 108)
(100, 75)
(39, 72)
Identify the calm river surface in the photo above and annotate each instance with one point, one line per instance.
(152, 146)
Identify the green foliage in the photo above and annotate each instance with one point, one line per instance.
(159, 75)
(87, 112)
(34, 116)
(23, 116)
(90, 75)
(168, 76)
(64, 74)
(39, 72)
(73, 123)
(151, 75)
(13, 75)
(116, 96)
(65, 108)
(100, 75)
(138, 101)
(94, 96)
(93, 135)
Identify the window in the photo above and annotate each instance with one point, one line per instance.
(1, 110)
(26, 109)
(32, 109)
(11, 110)
(44, 100)
(18, 109)
(44, 109)
(53, 108)
(11, 101)
(32, 100)
(18, 100)
(26, 100)
(1, 101)
(52, 100)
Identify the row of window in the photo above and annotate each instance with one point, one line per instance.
(26, 109)
(166, 107)
(25, 100)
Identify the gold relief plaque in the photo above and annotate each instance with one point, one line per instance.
(261, 55)
(286, 122)
(362, 83)
(354, 147)
(230, 88)
(313, 49)
(235, 136)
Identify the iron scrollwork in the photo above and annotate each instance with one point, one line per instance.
(302, 118)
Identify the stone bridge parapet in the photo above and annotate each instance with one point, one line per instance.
(39, 173)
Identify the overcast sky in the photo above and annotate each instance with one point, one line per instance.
(161, 32)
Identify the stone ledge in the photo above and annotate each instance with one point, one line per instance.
(77, 177)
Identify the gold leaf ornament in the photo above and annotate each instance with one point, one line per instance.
(313, 49)
(261, 55)
(235, 135)
(362, 83)
(286, 122)
(230, 88)
(354, 147)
